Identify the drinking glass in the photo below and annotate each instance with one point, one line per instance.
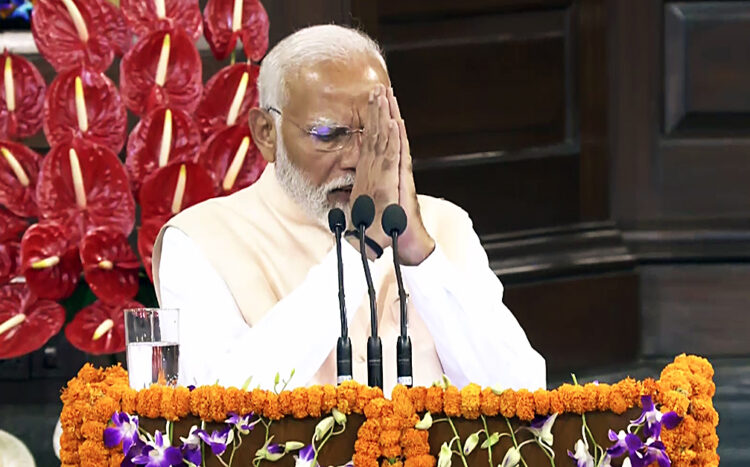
(152, 336)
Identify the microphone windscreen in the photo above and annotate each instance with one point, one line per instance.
(363, 211)
(394, 219)
(336, 219)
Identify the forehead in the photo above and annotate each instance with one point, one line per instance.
(334, 88)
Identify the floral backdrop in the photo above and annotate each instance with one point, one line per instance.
(78, 224)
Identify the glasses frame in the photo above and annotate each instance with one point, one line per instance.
(310, 132)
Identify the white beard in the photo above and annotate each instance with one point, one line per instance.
(313, 199)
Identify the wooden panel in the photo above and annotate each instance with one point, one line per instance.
(707, 67)
(401, 8)
(705, 178)
(499, 197)
(696, 309)
(480, 84)
(581, 322)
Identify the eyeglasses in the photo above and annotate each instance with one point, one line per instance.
(326, 138)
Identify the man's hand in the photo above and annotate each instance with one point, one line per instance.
(377, 173)
(416, 244)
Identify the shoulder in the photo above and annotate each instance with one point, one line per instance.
(440, 211)
(215, 210)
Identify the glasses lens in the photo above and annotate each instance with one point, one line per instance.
(328, 139)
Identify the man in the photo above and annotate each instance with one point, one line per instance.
(254, 274)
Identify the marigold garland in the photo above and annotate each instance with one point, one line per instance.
(388, 433)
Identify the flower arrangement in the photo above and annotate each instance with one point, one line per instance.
(676, 424)
(68, 217)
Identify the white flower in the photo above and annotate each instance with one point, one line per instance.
(323, 427)
(512, 458)
(425, 423)
(444, 458)
(581, 455)
(471, 443)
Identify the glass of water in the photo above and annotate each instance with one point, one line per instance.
(152, 335)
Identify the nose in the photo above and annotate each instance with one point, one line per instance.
(350, 152)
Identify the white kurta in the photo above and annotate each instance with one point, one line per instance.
(476, 337)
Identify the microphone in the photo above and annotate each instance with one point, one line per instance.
(363, 213)
(337, 224)
(394, 224)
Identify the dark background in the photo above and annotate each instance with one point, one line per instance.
(602, 148)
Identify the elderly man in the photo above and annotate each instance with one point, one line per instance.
(254, 274)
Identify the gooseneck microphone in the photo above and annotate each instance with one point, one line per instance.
(394, 224)
(337, 224)
(363, 213)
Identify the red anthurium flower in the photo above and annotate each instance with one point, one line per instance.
(85, 104)
(115, 27)
(10, 261)
(227, 98)
(165, 136)
(162, 70)
(49, 261)
(173, 188)
(232, 159)
(145, 16)
(21, 97)
(19, 170)
(227, 20)
(109, 265)
(12, 227)
(100, 327)
(72, 32)
(147, 234)
(26, 323)
(84, 186)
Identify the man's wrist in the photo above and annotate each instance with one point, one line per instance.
(415, 252)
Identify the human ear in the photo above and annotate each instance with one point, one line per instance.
(264, 131)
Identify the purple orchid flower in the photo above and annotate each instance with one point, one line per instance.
(541, 428)
(135, 450)
(158, 453)
(640, 454)
(191, 387)
(305, 457)
(242, 424)
(654, 419)
(275, 448)
(218, 439)
(125, 431)
(582, 456)
(191, 447)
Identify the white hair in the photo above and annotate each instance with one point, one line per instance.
(306, 46)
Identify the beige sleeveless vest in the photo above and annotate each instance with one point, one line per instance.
(263, 244)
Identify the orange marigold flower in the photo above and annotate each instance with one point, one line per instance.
(148, 402)
(364, 460)
(272, 408)
(525, 405)
(314, 401)
(371, 449)
(471, 401)
(703, 411)
(246, 402)
(329, 399)
(299, 403)
(369, 431)
(677, 401)
(200, 404)
(127, 404)
(418, 397)
(88, 374)
(364, 395)
(346, 394)
(103, 409)
(508, 403)
(490, 403)
(389, 437)
(697, 365)
(93, 430)
(285, 402)
(617, 403)
(396, 463)
(541, 401)
(233, 400)
(218, 413)
(603, 391)
(116, 458)
(434, 400)
(452, 402)
(167, 406)
(391, 451)
(93, 452)
(181, 401)
(259, 398)
(630, 390)
(70, 458)
(590, 393)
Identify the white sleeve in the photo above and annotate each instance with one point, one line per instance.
(476, 336)
(216, 344)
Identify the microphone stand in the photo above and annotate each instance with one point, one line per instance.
(344, 344)
(403, 344)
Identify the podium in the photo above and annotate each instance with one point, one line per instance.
(352, 424)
